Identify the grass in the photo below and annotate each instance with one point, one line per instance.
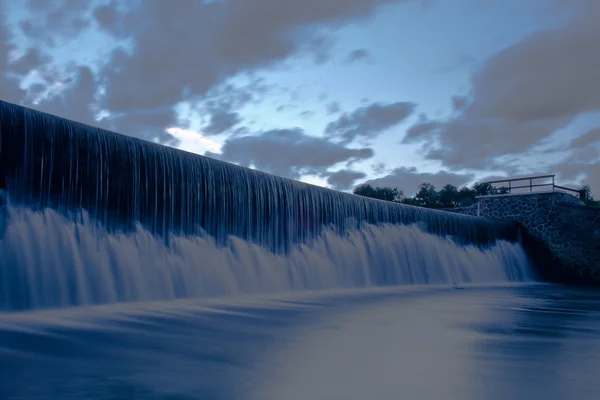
(592, 203)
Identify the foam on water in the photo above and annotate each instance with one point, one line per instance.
(49, 260)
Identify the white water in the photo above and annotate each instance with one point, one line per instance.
(49, 260)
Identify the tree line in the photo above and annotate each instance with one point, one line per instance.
(448, 197)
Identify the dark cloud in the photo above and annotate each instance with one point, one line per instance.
(74, 101)
(591, 137)
(9, 86)
(106, 15)
(423, 128)
(146, 124)
(319, 47)
(578, 174)
(378, 168)
(178, 53)
(56, 19)
(409, 179)
(527, 91)
(32, 59)
(357, 55)
(344, 179)
(288, 152)
(368, 122)
(214, 41)
(458, 102)
(307, 114)
(222, 121)
(221, 105)
(333, 108)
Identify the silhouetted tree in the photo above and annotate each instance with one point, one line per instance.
(364, 190)
(409, 201)
(448, 197)
(482, 189)
(427, 196)
(466, 197)
(586, 193)
(381, 193)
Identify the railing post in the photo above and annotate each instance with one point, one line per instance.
(530, 185)
(553, 183)
(509, 187)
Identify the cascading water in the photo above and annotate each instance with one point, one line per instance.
(96, 217)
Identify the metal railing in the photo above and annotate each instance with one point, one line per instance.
(494, 190)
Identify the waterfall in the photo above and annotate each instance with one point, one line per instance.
(97, 217)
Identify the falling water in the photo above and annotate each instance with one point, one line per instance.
(97, 217)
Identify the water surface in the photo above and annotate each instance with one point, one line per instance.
(507, 341)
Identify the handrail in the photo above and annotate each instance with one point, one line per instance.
(509, 189)
(526, 178)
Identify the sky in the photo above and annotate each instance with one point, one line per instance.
(329, 92)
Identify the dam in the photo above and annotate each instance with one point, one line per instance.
(134, 270)
(95, 217)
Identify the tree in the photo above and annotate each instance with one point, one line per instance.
(482, 189)
(427, 196)
(381, 193)
(389, 194)
(466, 197)
(364, 190)
(448, 197)
(586, 193)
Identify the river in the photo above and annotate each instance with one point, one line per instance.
(501, 341)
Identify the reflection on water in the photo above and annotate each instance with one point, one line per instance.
(499, 342)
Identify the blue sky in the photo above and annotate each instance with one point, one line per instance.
(331, 92)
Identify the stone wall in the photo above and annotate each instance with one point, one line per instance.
(560, 233)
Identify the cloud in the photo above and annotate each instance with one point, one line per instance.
(424, 128)
(526, 92)
(161, 55)
(458, 102)
(589, 138)
(370, 121)
(409, 179)
(194, 142)
(333, 108)
(32, 59)
(575, 174)
(56, 20)
(344, 179)
(151, 125)
(106, 15)
(75, 99)
(9, 86)
(288, 152)
(356, 55)
(214, 41)
(222, 120)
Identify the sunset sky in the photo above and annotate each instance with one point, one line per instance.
(331, 92)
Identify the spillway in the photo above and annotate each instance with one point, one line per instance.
(95, 217)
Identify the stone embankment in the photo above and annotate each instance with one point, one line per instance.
(560, 233)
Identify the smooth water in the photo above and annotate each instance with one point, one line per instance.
(468, 343)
